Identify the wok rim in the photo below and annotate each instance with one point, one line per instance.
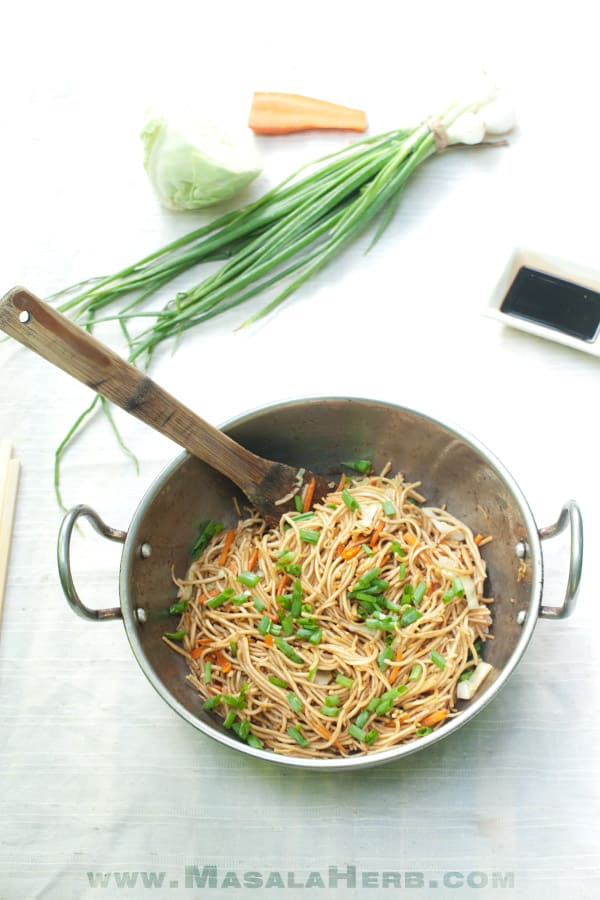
(374, 758)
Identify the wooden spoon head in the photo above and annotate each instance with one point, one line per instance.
(276, 493)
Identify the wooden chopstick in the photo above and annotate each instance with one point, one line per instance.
(9, 481)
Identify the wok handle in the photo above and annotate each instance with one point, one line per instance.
(570, 514)
(64, 561)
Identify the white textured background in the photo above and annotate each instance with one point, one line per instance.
(96, 773)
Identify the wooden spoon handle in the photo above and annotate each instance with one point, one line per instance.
(54, 337)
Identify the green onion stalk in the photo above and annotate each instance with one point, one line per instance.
(274, 244)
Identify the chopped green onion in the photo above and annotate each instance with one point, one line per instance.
(237, 702)
(439, 660)
(423, 730)
(238, 599)
(458, 586)
(229, 719)
(402, 571)
(344, 681)
(350, 501)
(206, 530)
(357, 732)
(466, 675)
(233, 648)
(242, 729)
(371, 736)
(309, 536)
(362, 718)
(258, 603)
(278, 682)
(419, 592)
(382, 623)
(293, 569)
(332, 700)
(275, 628)
(176, 635)
(177, 608)
(304, 516)
(410, 615)
(316, 637)
(386, 653)
(330, 711)
(220, 599)
(295, 733)
(358, 465)
(298, 503)
(283, 558)
(295, 702)
(287, 624)
(368, 550)
(211, 702)
(397, 548)
(255, 742)
(373, 704)
(207, 672)
(249, 579)
(365, 580)
(312, 672)
(415, 672)
(288, 650)
(264, 626)
(388, 508)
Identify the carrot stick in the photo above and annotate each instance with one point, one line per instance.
(269, 639)
(324, 733)
(284, 580)
(223, 662)
(309, 494)
(435, 718)
(253, 560)
(393, 673)
(281, 113)
(226, 548)
(351, 551)
(376, 534)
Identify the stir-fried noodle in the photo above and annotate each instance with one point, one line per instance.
(342, 630)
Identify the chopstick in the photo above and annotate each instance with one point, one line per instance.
(9, 481)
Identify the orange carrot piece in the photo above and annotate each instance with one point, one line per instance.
(225, 663)
(351, 551)
(324, 733)
(269, 639)
(226, 547)
(376, 534)
(281, 113)
(478, 539)
(309, 494)
(283, 582)
(410, 538)
(434, 718)
(393, 673)
(197, 652)
(253, 560)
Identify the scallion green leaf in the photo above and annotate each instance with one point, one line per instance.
(249, 579)
(176, 635)
(278, 682)
(295, 733)
(343, 680)
(388, 508)
(309, 536)
(206, 530)
(295, 702)
(358, 465)
(211, 702)
(350, 501)
(264, 626)
(178, 608)
(438, 660)
(288, 650)
(207, 672)
(357, 732)
(220, 599)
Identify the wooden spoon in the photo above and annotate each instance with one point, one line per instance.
(57, 339)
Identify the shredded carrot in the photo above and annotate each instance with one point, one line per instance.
(225, 663)
(376, 534)
(324, 733)
(309, 494)
(283, 582)
(197, 652)
(393, 673)
(351, 551)
(253, 560)
(435, 718)
(478, 538)
(226, 548)
(410, 538)
(281, 113)
(269, 639)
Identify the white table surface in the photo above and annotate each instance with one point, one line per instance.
(98, 776)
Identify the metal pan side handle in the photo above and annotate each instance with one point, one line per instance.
(64, 561)
(569, 515)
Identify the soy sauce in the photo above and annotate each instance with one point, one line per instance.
(554, 302)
